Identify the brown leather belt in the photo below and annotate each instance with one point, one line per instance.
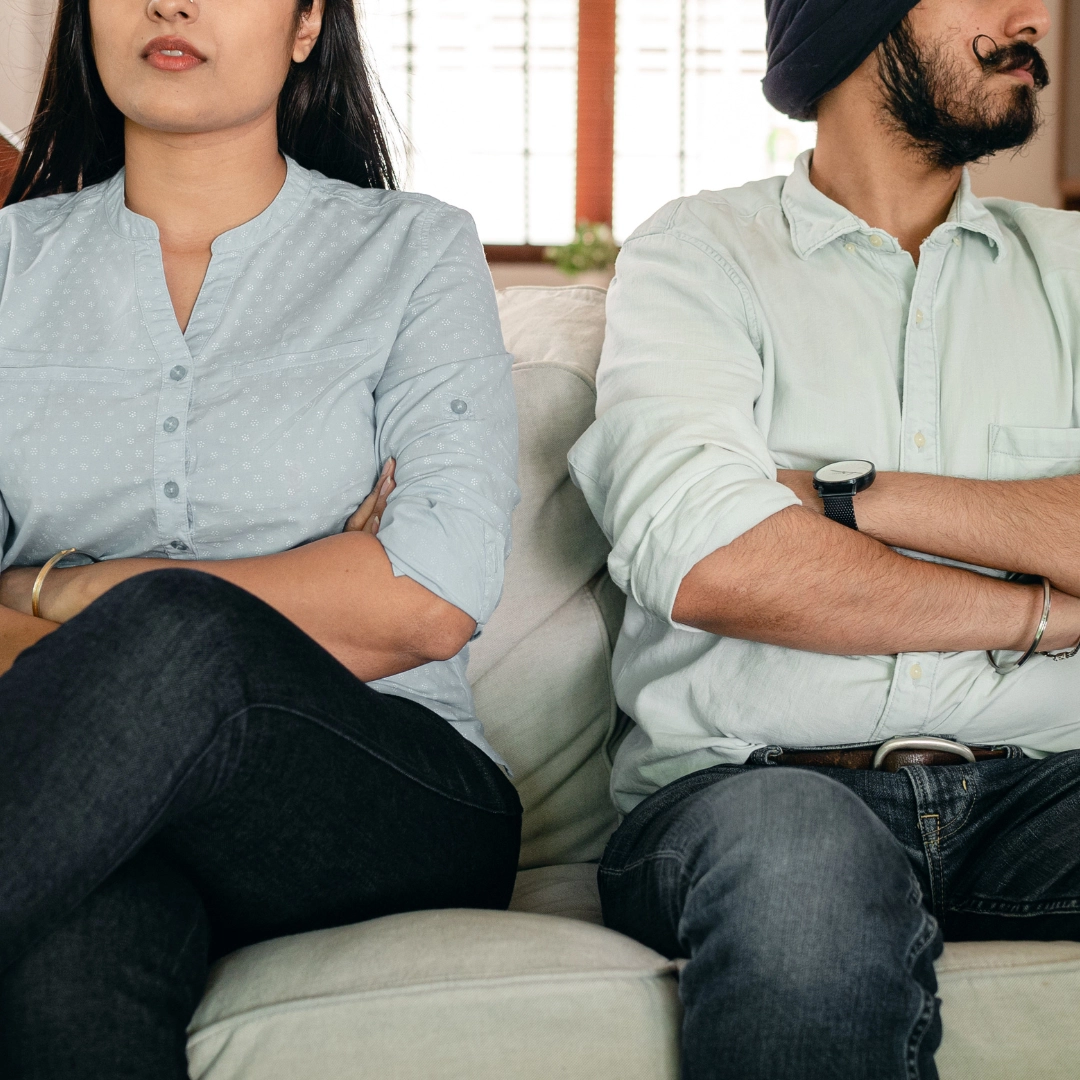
(892, 755)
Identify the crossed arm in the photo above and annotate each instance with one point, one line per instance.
(341, 590)
(805, 582)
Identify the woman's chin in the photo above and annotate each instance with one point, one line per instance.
(191, 120)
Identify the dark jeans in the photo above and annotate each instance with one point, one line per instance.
(812, 902)
(183, 771)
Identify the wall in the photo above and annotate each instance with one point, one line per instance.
(25, 28)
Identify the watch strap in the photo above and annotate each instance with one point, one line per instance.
(841, 509)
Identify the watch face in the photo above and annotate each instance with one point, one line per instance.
(841, 472)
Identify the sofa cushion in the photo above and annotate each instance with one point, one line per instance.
(1008, 1008)
(541, 671)
(539, 992)
(567, 891)
(441, 995)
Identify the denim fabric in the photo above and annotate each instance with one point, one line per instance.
(184, 772)
(812, 902)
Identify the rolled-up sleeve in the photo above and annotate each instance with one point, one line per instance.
(676, 464)
(444, 409)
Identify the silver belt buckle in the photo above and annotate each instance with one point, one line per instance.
(922, 742)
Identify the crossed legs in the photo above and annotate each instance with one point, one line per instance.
(185, 772)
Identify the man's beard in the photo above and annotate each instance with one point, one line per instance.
(933, 102)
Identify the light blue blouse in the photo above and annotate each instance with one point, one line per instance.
(337, 329)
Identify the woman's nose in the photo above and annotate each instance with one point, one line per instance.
(173, 10)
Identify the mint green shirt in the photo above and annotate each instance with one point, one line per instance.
(767, 327)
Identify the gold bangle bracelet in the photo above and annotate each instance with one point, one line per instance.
(43, 573)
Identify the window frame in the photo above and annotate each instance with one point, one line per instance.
(595, 156)
(9, 162)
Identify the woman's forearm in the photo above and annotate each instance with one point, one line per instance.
(19, 632)
(341, 590)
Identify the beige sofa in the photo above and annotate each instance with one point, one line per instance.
(544, 991)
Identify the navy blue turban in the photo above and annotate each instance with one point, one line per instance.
(814, 45)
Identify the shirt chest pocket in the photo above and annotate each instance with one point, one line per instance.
(1031, 453)
(48, 369)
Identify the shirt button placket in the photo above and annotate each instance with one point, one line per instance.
(171, 459)
(911, 696)
(919, 450)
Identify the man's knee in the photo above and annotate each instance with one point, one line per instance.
(802, 915)
(786, 852)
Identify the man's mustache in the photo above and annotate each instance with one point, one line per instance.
(1017, 56)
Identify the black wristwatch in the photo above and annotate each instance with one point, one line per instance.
(839, 483)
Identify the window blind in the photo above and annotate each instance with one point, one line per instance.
(689, 111)
(486, 91)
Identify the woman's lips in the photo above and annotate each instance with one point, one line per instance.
(172, 54)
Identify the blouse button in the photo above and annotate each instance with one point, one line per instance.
(171, 424)
(458, 406)
(177, 374)
(876, 241)
(920, 439)
(172, 489)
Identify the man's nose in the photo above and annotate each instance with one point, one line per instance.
(1027, 19)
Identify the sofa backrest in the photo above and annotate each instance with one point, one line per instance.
(541, 671)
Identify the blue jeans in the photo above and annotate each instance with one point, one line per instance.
(182, 772)
(812, 902)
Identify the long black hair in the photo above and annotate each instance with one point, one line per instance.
(329, 115)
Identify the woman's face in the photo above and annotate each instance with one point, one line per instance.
(198, 65)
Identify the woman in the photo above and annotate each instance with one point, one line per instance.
(207, 351)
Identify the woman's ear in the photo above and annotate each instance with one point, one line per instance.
(307, 32)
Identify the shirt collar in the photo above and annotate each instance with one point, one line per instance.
(285, 204)
(815, 220)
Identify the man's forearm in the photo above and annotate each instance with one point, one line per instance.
(1028, 526)
(804, 582)
(19, 632)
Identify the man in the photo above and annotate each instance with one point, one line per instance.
(867, 307)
